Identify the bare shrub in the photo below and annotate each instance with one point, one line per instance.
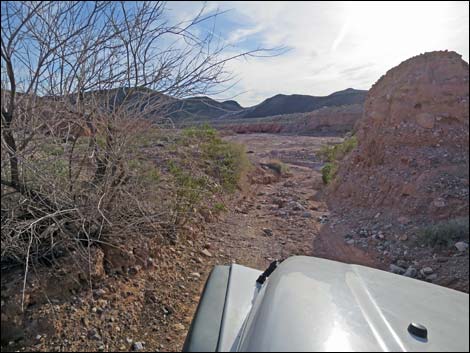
(446, 233)
(78, 78)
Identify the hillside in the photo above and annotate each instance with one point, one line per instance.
(404, 189)
(296, 103)
(196, 108)
(201, 109)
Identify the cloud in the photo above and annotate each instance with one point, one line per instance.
(333, 45)
(241, 34)
(340, 36)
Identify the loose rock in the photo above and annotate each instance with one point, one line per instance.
(397, 269)
(206, 253)
(137, 346)
(461, 246)
(411, 272)
(268, 232)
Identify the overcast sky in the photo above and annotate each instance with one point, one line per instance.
(331, 45)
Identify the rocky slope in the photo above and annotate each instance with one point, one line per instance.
(413, 140)
(411, 167)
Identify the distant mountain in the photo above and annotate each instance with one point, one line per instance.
(155, 105)
(296, 103)
(201, 108)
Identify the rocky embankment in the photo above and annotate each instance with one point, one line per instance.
(411, 167)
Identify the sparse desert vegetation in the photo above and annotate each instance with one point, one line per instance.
(130, 167)
(333, 155)
(445, 234)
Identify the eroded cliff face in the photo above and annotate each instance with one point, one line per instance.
(413, 141)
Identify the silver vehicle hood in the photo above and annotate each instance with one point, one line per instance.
(311, 304)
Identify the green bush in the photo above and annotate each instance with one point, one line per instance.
(333, 154)
(339, 151)
(445, 234)
(226, 161)
(201, 133)
(328, 172)
(190, 191)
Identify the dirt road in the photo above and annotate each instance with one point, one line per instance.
(290, 208)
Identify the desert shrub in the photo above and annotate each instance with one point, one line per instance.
(329, 172)
(446, 233)
(201, 133)
(226, 161)
(333, 154)
(338, 151)
(190, 190)
(278, 167)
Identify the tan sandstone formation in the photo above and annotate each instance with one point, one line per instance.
(413, 138)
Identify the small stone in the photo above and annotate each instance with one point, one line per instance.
(403, 237)
(402, 263)
(323, 219)
(134, 270)
(100, 292)
(206, 253)
(439, 203)
(397, 269)
(411, 272)
(137, 346)
(431, 278)
(306, 214)
(196, 275)
(94, 335)
(179, 327)
(461, 246)
(268, 232)
(427, 271)
(297, 206)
